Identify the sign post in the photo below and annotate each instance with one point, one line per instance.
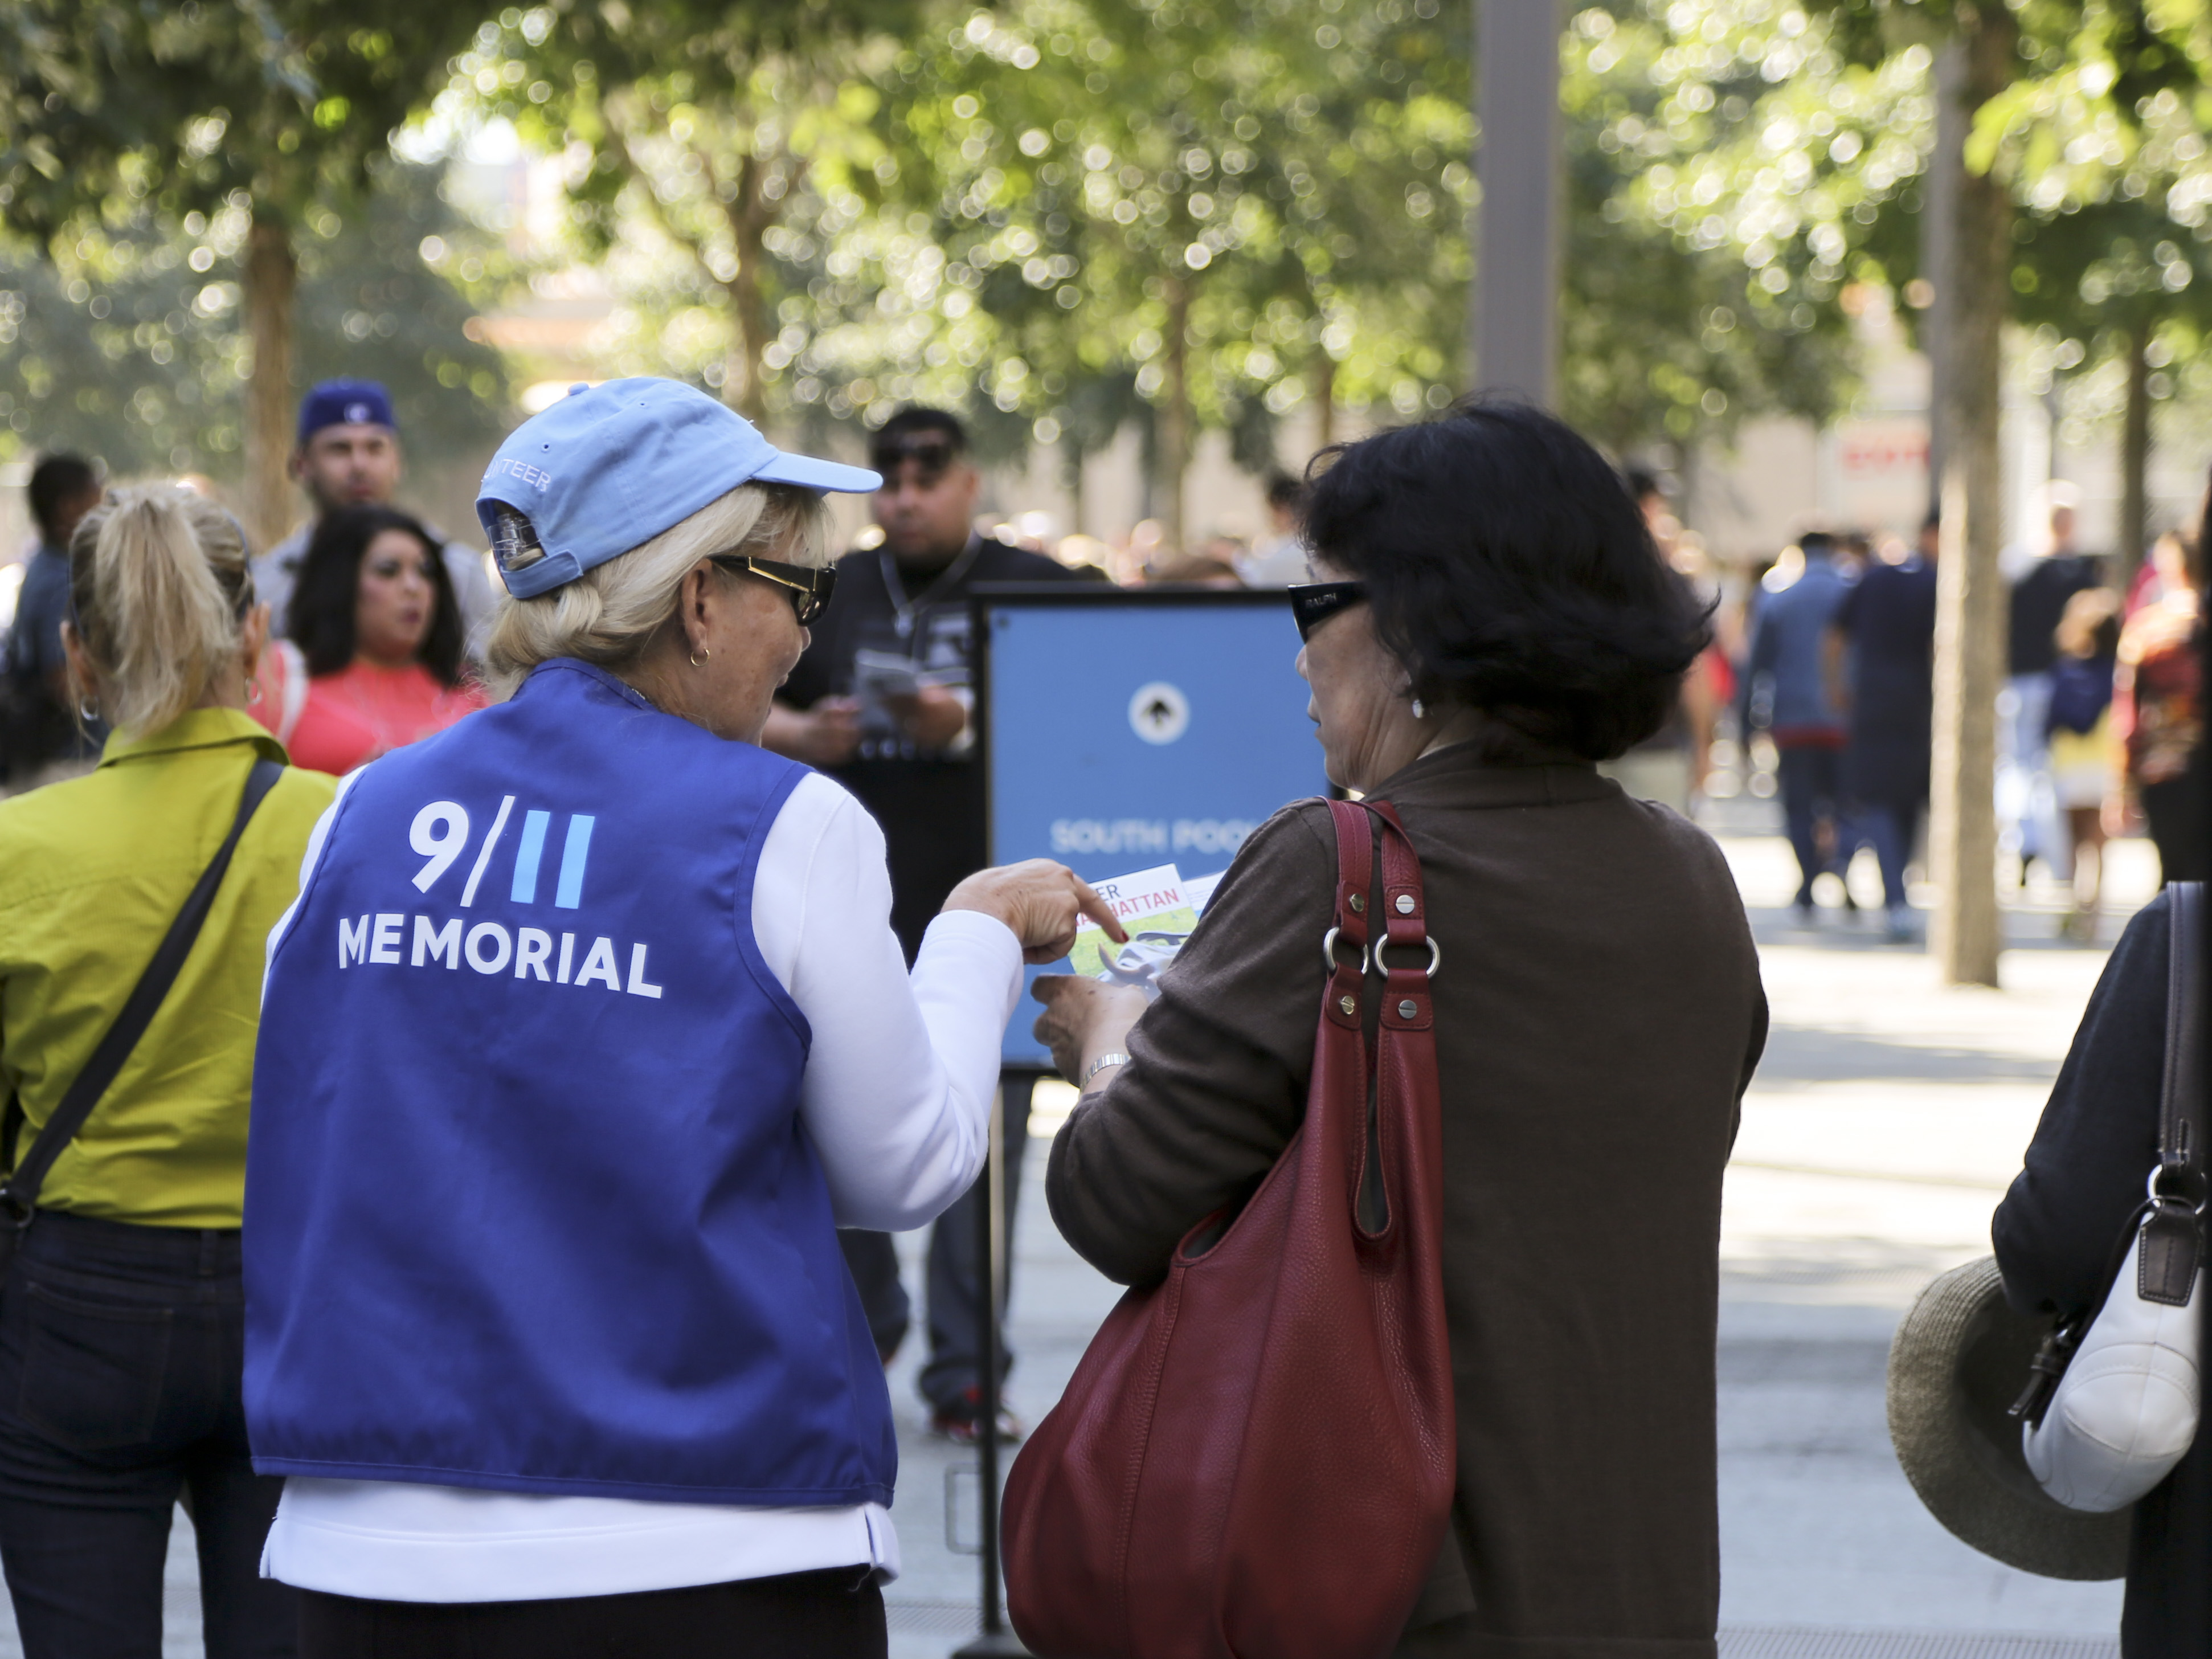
(1119, 728)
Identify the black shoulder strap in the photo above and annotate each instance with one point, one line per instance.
(2181, 1113)
(20, 1195)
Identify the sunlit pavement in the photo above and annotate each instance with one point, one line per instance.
(1883, 1126)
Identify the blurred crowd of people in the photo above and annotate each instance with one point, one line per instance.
(1817, 687)
(376, 619)
(1831, 704)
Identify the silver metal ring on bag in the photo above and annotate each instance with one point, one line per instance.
(2158, 1197)
(1436, 955)
(1328, 953)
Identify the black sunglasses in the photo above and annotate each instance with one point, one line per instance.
(809, 585)
(1313, 603)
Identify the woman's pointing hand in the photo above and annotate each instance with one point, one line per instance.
(1044, 903)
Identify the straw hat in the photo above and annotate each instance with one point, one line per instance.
(1958, 1361)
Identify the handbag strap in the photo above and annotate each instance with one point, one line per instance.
(19, 1196)
(1379, 1000)
(1344, 999)
(2172, 1234)
(2181, 1113)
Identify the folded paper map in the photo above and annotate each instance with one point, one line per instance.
(1159, 916)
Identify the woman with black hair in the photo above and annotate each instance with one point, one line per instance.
(372, 660)
(1491, 618)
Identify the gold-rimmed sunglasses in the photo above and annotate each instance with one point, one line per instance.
(809, 586)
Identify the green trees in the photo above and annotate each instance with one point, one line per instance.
(709, 121)
(129, 343)
(1227, 208)
(142, 115)
(2116, 280)
(1688, 307)
(1076, 216)
(1071, 215)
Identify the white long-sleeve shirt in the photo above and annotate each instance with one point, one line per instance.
(896, 1095)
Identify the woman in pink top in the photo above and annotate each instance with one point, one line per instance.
(372, 660)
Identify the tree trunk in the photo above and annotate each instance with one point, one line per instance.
(2134, 459)
(1324, 401)
(751, 214)
(1966, 936)
(272, 273)
(1939, 237)
(1175, 421)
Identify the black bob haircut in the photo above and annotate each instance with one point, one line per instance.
(320, 620)
(1509, 569)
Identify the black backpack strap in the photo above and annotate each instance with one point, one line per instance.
(20, 1195)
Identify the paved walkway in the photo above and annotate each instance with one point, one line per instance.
(1888, 1117)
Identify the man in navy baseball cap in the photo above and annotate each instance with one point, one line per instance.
(348, 455)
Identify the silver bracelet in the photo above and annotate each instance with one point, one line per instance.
(1100, 1065)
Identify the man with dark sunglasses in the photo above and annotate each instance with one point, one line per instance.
(881, 702)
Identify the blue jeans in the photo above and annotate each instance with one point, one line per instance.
(2028, 820)
(121, 1355)
(1890, 827)
(1810, 777)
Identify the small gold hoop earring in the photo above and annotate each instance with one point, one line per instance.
(699, 658)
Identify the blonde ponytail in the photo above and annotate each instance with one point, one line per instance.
(159, 582)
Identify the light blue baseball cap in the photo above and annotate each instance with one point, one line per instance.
(609, 467)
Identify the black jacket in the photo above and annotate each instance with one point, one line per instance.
(2055, 1233)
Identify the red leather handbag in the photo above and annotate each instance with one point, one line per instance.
(1256, 1457)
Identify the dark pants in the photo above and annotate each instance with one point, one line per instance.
(835, 1614)
(121, 1349)
(1889, 826)
(957, 1274)
(1810, 777)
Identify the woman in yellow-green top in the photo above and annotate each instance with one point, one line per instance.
(121, 1322)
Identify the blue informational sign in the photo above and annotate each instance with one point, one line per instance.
(1125, 729)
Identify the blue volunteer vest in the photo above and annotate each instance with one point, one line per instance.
(528, 1204)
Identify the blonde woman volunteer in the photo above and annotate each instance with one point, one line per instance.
(122, 1322)
(588, 1030)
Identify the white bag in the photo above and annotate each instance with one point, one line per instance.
(2126, 1407)
(2125, 1412)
